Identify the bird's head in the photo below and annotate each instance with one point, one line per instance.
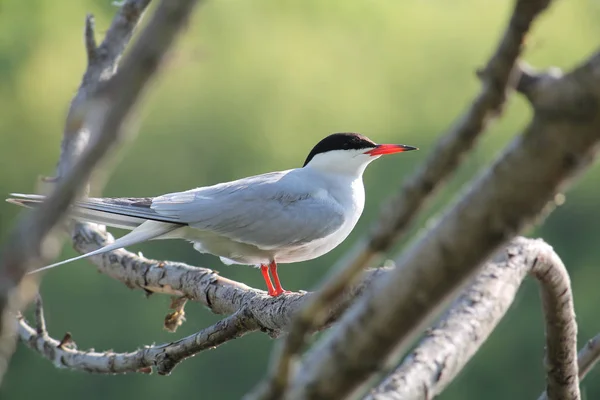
(349, 153)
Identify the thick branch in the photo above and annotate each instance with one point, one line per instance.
(561, 328)
(587, 358)
(402, 209)
(252, 310)
(501, 203)
(451, 343)
(23, 247)
(221, 295)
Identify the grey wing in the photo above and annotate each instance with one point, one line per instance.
(121, 208)
(125, 212)
(268, 211)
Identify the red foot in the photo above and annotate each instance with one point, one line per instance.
(272, 291)
(265, 273)
(279, 293)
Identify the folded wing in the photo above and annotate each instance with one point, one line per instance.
(270, 211)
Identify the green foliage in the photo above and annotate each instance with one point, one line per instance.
(250, 88)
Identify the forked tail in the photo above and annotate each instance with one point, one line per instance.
(132, 214)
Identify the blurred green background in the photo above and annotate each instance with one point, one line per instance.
(251, 87)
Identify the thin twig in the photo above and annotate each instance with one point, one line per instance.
(588, 356)
(90, 40)
(162, 357)
(102, 65)
(175, 318)
(40, 322)
(401, 210)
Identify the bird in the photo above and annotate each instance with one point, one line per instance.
(264, 220)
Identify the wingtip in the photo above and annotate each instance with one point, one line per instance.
(21, 199)
(14, 201)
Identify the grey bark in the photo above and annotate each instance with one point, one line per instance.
(163, 358)
(24, 247)
(504, 201)
(454, 340)
(500, 205)
(498, 79)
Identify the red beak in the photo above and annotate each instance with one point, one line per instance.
(382, 149)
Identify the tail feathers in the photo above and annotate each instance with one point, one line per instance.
(107, 218)
(147, 231)
(91, 211)
(25, 200)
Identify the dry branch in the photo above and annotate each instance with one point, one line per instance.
(221, 295)
(101, 65)
(64, 353)
(28, 242)
(450, 344)
(401, 210)
(588, 356)
(251, 310)
(502, 202)
(502, 276)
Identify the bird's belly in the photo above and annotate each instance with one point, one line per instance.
(244, 253)
(226, 248)
(314, 249)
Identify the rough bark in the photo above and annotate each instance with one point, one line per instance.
(164, 357)
(501, 203)
(498, 78)
(474, 316)
(221, 295)
(452, 342)
(29, 242)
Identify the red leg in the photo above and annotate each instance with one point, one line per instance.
(265, 273)
(278, 289)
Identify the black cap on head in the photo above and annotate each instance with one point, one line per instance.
(341, 141)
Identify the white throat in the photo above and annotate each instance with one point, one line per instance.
(341, 162)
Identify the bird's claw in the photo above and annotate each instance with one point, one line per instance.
(277, 293)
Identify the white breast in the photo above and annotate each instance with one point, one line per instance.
(349, 192)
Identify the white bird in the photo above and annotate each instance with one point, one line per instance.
(278, 217)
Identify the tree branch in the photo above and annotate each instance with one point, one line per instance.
(500, 278)
(588, 356)
(561, 328)
(221, 295)
(90, 40)
(450, 344)
(501, 203)
(102, 65)
(401, 210)
(64, 354)
(24, 247)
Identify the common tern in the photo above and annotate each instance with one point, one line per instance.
(263, 220)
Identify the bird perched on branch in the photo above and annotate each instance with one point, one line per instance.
(264, 220)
